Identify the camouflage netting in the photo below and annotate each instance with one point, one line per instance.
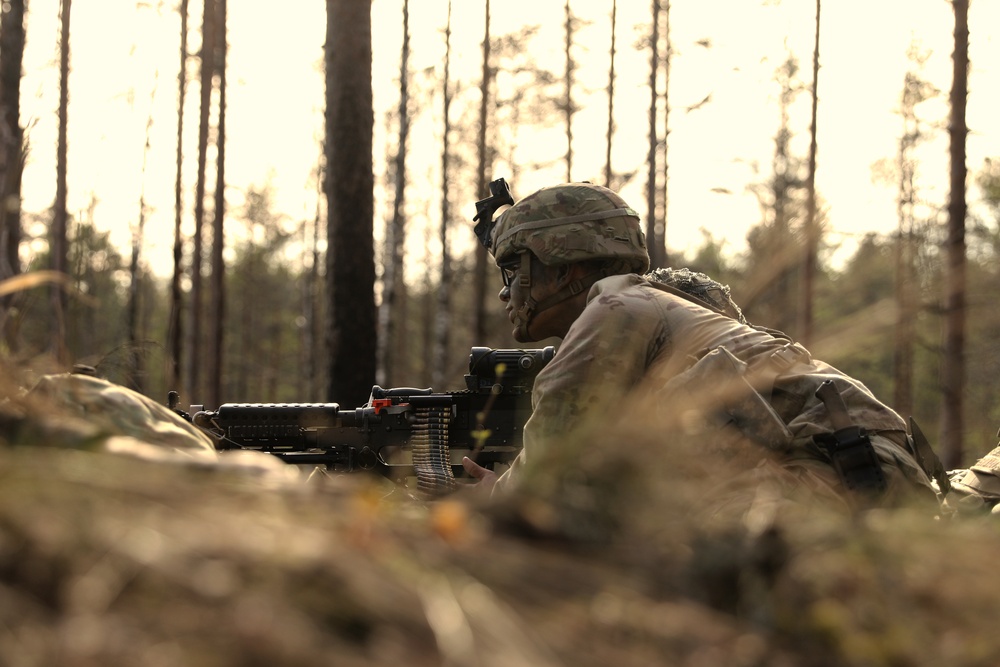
(699, 285)
(608, 558)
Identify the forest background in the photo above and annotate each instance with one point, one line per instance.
(460, 96)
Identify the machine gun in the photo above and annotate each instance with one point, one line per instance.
(401, 432)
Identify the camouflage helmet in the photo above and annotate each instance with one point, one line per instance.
(572, 222)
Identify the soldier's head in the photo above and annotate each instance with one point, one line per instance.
(561, 240)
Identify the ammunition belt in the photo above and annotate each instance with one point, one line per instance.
(431, 454)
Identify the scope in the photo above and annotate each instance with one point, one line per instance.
(506, 371)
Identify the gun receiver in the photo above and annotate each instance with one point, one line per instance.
(400, 432)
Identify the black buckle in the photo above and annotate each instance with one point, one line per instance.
(854, 459)
(849, 446)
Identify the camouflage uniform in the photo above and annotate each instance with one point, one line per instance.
(634, 332)
(977, 488)
(118, 419)
(79, 411)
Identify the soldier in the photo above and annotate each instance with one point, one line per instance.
(572, 259)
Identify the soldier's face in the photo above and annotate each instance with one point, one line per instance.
(530, 326)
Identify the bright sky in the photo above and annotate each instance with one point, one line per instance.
(124, 71)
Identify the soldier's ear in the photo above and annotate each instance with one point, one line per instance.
(564, 273)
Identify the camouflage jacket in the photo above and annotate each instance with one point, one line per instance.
(633, 334)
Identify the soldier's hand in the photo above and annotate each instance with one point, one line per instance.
(487, 478)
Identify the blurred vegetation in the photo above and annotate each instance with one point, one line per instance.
(611, 554)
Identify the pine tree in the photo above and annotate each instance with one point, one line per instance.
(133, 320)
(12, 154)
(207, 64)
(608, 171)
(442, 320)
(568, 107)
(11, 136)
(774, 250)
(915, 91)
(812, 233)
(59, 247)
(392, 318)
(482, 260)
(175, 333)
(661, 236)
(953, 368)
(652, 241)
(349, 191)
(215, 362)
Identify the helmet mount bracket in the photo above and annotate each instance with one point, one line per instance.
(485, 208)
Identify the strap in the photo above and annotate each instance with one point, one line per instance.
(849, 447)
(928, 459)
(569, 291)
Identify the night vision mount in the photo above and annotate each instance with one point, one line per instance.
(485, 208)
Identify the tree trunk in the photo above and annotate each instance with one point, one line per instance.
(215, 361)
(207, 57)
(134, 332)
(349, 192)
(953, 371)
(904, 330)
(175, 326)
(661, 233)
(608, 171)
(812, 233)
(442, 321)
(12, 39)
(914, 92)
(247, 330)
(652, 242)
(785, 257)
(426, 306)
(59, 249)
(310, 361)
(568, 95)
(11, 137)
(482, 259)
(775, 251)
(392, 323)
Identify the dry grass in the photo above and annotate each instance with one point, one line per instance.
(608, 558)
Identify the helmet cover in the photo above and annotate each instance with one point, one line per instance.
(572, 222)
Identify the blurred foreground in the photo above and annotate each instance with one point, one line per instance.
(146, 558)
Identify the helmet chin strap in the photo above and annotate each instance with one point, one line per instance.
(531, 307)
(522, 317)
